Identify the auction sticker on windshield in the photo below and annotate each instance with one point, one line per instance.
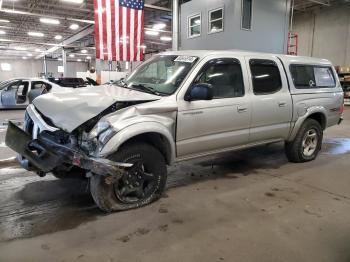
(185, 59)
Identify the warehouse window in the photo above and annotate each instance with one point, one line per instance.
(194, 25)
(266, 76)
(308, 76)
(225, 77)
(216, 20)
(247, 10)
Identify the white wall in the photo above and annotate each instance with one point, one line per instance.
(32, 67)
(325, 33)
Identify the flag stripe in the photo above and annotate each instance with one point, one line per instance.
(139, 19)
(121, 33)
(117, 30)
(114, 56)
(109, 29)
(104, 23)
(136, 25)
(97, 29)
(125, 51)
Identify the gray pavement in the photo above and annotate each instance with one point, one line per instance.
(250, 205)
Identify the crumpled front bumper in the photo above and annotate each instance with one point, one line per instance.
(44, 155)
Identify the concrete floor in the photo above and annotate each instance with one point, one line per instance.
(244, 206)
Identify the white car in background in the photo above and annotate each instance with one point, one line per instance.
(20, 92)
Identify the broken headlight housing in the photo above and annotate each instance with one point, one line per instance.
(103, 132)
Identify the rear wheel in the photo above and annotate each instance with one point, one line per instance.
(140, 185)
(306, 144)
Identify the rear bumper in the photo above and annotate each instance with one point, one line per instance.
(44, 155)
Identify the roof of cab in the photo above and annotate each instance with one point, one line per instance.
(285, 58)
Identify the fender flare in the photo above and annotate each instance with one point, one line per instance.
(134, 130)
(307, 113)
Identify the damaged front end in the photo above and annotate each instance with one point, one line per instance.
(43, 148)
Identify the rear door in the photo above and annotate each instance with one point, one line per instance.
(9, 93)
(223, 122)
(271, 99)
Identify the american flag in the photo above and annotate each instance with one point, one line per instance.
(119, 29)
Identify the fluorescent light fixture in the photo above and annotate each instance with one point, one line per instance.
(49, 21)
(74, 26)
(20, 48)
(38, 50)
(71, 55)
(79, 60)
(58, 37)
(2, 32)
(4, 21)
(84, 51)
(159, 26)
(143, 46)
(29, 54)
(88, 57)
(126, 65)
(36, 34)
(24, 57)
(166, 38)
(60, 69)
(59, 59)
(153, 33)
(6, 67)
(73, 1)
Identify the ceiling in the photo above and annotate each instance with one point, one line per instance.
(309, 5)
(18, 17)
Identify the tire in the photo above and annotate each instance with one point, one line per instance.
(303, 148)
(148, 163)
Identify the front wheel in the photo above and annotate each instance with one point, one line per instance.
(306, 144)
(140, 185)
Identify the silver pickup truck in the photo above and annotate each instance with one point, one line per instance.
(174, 107)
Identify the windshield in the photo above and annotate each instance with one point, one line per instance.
(161, 75)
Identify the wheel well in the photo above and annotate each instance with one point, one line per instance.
(155, 139)
(319, 117)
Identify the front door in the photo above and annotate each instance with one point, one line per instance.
(271, 100)
(223, 122)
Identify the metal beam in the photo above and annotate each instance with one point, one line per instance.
(175, 25)
(11, 11)
(320, 2)
(88, 30)
(157, 7)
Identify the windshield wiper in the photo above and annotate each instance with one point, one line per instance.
(146, 88)
(121, 83)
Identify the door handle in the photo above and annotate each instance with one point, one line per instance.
(282, 104)
(241, 109)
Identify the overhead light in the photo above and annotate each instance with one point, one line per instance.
(4, 21)
(166, 38)
(38, 50)
(20, 48)
(73, 1)
(71, 55)
(49, 21)
(59, 59)
(74, 26)
(36, 34)
(153, 33)
(29, 55)
(58, 37)
(2, 32)
(79, 60)
(6, 67)
(143, 46)
(88, 57)
(159, 26)
(84, 51)
(24, 57)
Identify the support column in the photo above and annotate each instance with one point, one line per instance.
(99, 64)
(45, 67)
(175, 25)
(64, 61)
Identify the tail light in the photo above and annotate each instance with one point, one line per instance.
(342, 108)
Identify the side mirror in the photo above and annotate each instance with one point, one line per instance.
(200, 92)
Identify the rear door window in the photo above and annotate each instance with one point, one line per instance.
(266, 76)
(309, 76)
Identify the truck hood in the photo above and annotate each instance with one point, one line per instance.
(70, 108)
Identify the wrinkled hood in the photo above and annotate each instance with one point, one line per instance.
(68, 108)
